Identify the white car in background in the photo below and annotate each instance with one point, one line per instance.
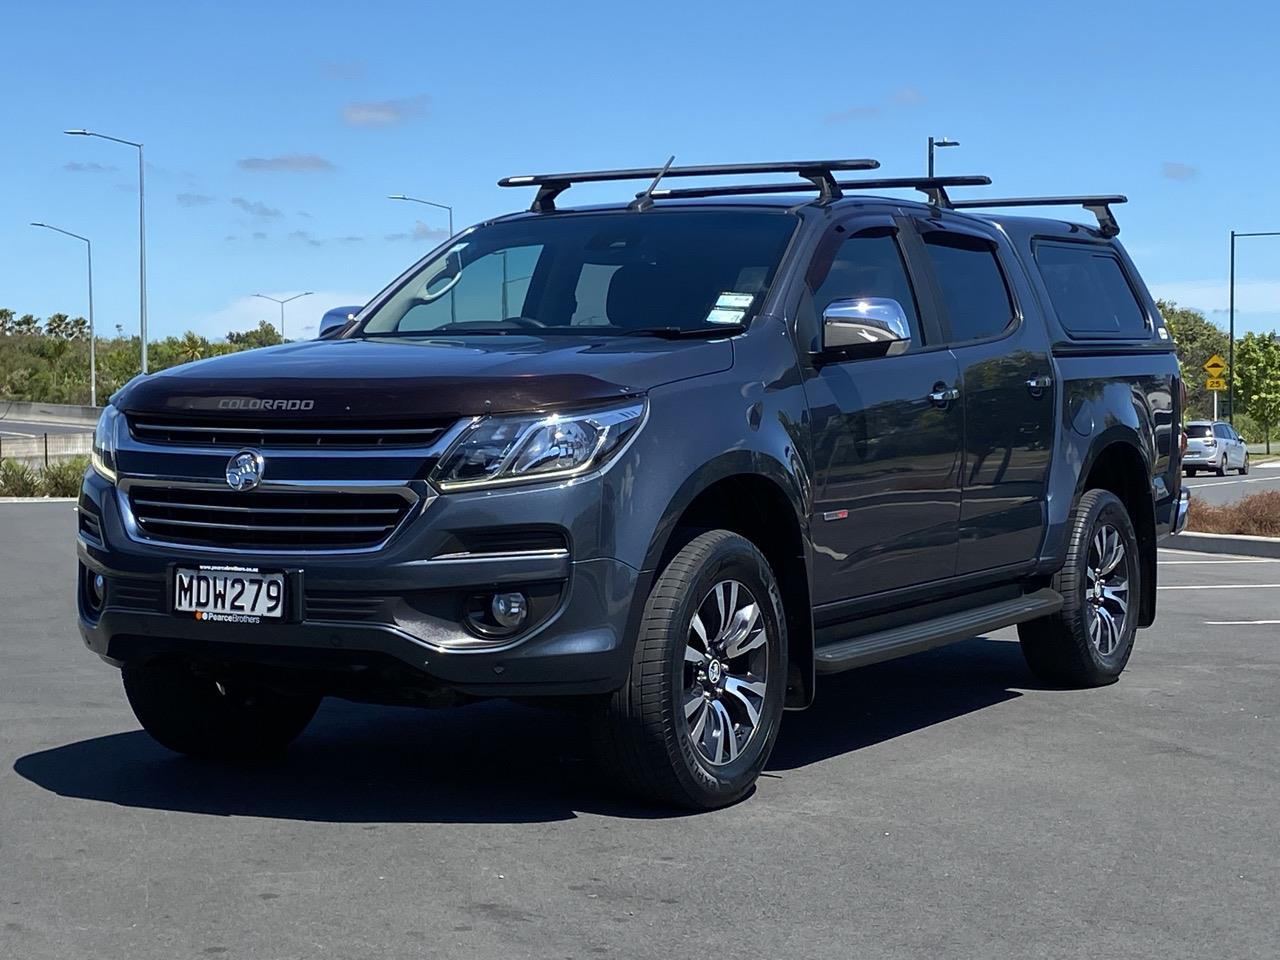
(1214, 445)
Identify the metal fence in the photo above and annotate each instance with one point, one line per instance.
(46, 448)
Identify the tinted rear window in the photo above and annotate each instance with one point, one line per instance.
(971, 283)
(1199, 431)
(1089, 291)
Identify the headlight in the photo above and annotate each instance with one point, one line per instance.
(503, 450)
(103, 456)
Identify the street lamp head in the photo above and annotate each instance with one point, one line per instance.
(77, 133)
(397, 196)
(944, 142)
(35, 223)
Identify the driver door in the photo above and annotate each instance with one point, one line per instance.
(887, 450)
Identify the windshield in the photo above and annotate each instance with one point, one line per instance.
(594, 273)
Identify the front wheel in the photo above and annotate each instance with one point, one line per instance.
(696, 720)
(199, 715)
(1088, 642)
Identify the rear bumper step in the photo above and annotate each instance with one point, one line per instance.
(913, 638)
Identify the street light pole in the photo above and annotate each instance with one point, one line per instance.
(142, 232)
(939, 142)
(429, 203)
(282, 303)
(1231, 323)
(453, 304)
(93, 337)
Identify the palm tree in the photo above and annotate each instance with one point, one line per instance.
(191, 346)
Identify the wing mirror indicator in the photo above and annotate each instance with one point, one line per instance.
(865, 327)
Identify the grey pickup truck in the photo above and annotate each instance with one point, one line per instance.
(666, 461)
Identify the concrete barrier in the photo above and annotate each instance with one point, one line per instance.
(50, 412)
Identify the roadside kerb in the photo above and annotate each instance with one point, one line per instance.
(1224, 543)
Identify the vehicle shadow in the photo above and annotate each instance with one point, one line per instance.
(499, 761)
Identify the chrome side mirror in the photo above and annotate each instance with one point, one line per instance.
(866, 326)
(336, 319)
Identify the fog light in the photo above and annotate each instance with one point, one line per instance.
(95, 592)
(509, 609)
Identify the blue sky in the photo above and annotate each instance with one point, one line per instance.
(273, 132)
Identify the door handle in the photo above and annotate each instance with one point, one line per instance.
(942, 394)
(1039, 384)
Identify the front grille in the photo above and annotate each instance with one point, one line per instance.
(266, 519)
(274, 434)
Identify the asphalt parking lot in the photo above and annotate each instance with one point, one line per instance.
(940, 806)
(1221, 490)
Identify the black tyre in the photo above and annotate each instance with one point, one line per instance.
(1244, 466)
(197, 715)
(697, 718)
(1191, 473)
(1221, 469)
(1088, 642)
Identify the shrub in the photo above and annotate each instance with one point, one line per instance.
(18, 480)
(62, 478)
(1255, 516)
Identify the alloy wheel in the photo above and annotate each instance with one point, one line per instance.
(1107, 589)
(726, 662)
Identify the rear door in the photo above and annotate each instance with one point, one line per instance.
(1007, 392)
(887, 457)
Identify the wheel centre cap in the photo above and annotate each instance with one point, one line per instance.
(714, 671)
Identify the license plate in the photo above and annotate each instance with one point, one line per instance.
(228, 594)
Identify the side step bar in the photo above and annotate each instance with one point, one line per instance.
(913, 638)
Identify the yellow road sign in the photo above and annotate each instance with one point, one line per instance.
(1215, 383)
(1215, 366)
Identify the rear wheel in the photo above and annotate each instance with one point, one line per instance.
(201, 716)
(696, 720)
(1221, 469)
(1088, 642)
(1244, 466)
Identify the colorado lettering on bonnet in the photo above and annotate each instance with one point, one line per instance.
(254, 403)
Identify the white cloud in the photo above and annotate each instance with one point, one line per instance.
(288, 163)
(384, 113)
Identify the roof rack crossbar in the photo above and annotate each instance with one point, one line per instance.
(928, 185)
(819, 172)
(1099, 206)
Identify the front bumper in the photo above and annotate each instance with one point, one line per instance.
(398, 604)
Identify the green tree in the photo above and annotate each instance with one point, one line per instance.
(6, 321)
(57, 326)
(26, 326)
(78, 329)
(266, 335)
(1196, 340)
(1257, 380)
(192, 347)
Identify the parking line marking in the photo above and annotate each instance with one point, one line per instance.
(1240, 623)
(1187, 563)
(1224, 586)
(1223, 483)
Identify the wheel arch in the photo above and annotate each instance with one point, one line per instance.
(1117, 463)
(755, 496)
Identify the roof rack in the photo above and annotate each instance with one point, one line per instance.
(1099, 206)
(819, 173)
(935, 187)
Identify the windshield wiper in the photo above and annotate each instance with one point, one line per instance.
(679, 333)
